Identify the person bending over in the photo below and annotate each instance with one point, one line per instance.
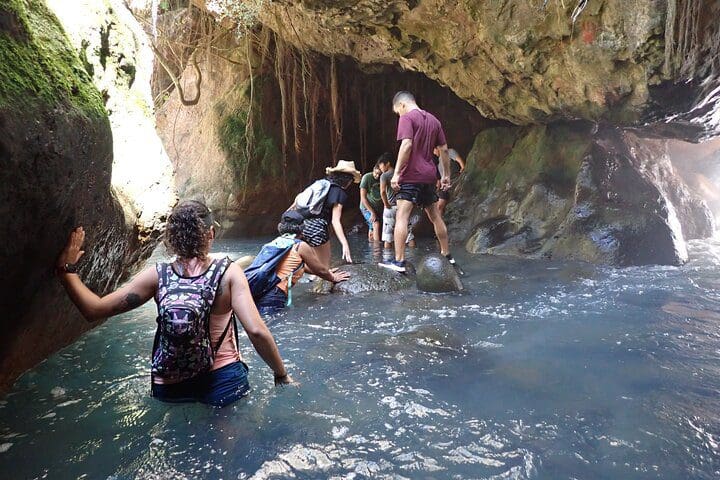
(414, 179)
(390, 206)
(195, 354)
(316, 230)
(292, 266)
(457, 166)
(371, 203)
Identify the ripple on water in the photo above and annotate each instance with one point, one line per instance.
(563, 371)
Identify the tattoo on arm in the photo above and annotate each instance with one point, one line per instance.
(131, 300)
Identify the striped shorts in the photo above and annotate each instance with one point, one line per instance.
(316, 231)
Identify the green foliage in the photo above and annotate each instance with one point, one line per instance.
(251, 163)
(37, 63)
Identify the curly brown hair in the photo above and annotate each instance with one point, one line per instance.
(187, 234)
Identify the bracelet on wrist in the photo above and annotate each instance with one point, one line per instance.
(66, 268)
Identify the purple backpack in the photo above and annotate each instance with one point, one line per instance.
(182, 346)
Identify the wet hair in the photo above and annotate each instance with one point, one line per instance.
(403, 96)
(340, 178)
(187, 233)
(290, 227)
(384, 159)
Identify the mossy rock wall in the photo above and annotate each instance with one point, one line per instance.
(55, 168)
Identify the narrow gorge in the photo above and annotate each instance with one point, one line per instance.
(587, 126)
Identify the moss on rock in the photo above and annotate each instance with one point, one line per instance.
(518, 157)
(252, 163)
(37, 63)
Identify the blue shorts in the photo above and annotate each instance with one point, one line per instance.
(219, 387)
(366, 215)
(272, 302)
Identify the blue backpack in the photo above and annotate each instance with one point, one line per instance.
(261, 273)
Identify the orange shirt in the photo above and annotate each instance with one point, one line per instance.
(290, 265)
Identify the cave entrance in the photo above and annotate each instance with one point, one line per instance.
(321, 109)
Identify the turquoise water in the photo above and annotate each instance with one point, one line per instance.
(537, 371)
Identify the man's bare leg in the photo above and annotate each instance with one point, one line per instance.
(433, 213)
(376, 231)
(442, 205)
(404, 209)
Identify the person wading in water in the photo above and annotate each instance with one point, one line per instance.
(195, 354)
(414, 178)
(291, 266)
(331, 192)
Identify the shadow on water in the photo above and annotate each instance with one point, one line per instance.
(537, 370)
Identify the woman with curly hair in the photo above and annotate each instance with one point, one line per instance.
(195, 353)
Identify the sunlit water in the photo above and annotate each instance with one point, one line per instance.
(538, 370)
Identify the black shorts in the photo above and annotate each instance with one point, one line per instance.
(443, 194)
(420, 194)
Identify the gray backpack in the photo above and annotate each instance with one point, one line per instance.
(309, 202)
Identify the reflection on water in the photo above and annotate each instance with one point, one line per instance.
(538, 370)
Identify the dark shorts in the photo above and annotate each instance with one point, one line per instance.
(420, 194)
(219, 387)
(316, 231)
(272, 302)
(443, 195)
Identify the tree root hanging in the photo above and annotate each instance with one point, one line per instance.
(176, 81)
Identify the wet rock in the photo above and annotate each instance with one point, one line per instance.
(56, 154)
(366, 278)
(245, 261)
(435, 274)
(574, 192)
(631, 63)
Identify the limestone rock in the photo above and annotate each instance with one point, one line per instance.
(435, 274)
(568, 191)
(631, 63)
(55, 168)
(116, 52)
(366, 278)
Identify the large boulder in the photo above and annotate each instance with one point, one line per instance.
(435, 274)
(56, 153)
(116, 53)
(366, 278)
(575, 192)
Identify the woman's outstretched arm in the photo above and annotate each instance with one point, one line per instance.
(339, 233)
(258, 333)
(93, 307)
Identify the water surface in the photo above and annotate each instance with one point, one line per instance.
(539, 370)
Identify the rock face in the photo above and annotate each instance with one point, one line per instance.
(115, 51)
(366, 278)
(435, 274)
(566, 191)
(529, 62)
(55, 167)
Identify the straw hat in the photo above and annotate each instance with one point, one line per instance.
(344, 166)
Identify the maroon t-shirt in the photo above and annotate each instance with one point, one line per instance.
(426, 133)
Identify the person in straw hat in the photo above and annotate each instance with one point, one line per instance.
(316, 230)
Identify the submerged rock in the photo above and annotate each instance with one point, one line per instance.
(435, 274)
(366, 278)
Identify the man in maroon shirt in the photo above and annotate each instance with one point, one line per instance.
(416, 174)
